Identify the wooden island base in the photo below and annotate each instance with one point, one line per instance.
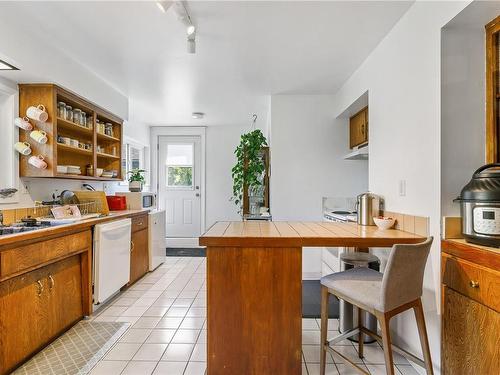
(254, 290)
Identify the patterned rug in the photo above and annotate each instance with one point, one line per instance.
(75, 352)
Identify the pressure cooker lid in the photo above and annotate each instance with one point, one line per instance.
(484, 185)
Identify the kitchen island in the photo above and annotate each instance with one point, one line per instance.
(254, 289)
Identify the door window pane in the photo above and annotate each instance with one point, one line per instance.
(179, 176)
(180, 165)
(180, 154)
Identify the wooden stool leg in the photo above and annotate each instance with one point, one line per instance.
(324, 328)
(422, 331)
(360, 335)
(386, 340)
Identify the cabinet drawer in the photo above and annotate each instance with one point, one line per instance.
(139, 222)
(476, 282)
(16, 260)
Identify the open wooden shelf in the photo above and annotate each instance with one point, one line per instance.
(105, 137)
(77, 150)
(109, 156)
(61, 154)
(71, 126)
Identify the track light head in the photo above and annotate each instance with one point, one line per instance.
(191, 45)
(163, 5)
(190, 30)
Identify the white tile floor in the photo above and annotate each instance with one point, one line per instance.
(167, 310)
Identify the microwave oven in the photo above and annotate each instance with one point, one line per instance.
(140, 200)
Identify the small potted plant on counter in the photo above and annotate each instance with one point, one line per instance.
(136, 179)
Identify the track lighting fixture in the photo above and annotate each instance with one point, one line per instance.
(6, 66)
(182, 13)
(164, 5)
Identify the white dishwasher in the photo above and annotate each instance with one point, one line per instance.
(111, 258)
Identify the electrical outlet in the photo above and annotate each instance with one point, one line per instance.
(402, 188)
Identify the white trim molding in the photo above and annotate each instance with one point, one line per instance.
(180, 131)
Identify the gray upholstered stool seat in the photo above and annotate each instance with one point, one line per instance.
(362, 285)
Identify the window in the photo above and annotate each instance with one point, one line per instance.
(134, 156)
(179, 165)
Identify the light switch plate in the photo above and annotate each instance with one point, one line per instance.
(402, 188)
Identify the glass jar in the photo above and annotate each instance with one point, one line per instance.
(69, 113)
(90, 122)
(77, 116)
(61, 110)
(109, 129)
(83, 119)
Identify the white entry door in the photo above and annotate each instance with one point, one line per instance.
(179, 176)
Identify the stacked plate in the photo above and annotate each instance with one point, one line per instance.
(69, 169)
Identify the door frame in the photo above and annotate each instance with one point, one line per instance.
(180, 131)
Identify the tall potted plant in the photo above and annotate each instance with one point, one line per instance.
(249, 165)
(136, 179)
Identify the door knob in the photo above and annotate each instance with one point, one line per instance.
(197, 194)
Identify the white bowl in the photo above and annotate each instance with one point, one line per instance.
(385, 223)
(99, 172)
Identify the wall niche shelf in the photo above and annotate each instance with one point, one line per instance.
(55, 153)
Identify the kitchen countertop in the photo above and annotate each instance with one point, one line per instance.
(280, 234)
(72, 227)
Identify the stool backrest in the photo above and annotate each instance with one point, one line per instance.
(404, 274)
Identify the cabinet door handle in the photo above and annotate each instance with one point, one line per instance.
(132, 246)
(139, 223)
(363, 130)
(474, 284)
(39, 288)
(51, 282)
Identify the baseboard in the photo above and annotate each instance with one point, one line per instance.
(182, 242)
(311, 275)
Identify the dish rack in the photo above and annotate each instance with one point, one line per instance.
(42, 211)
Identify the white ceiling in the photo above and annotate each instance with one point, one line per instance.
(246, 51)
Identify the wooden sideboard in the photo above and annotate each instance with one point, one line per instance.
(471, 308)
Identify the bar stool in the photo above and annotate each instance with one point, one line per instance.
(347, 312)
(383, 295)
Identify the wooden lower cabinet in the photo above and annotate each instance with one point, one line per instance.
(36, 307)
(139, 255)
(471, 317)
(471, 335)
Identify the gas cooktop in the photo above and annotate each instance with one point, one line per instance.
(24, 226)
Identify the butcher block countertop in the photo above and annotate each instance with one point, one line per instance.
(286, 233)
(57, 230)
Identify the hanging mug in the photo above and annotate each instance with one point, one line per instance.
(37, 113)
(23, 148)
(39, 135)
(23, 123)
(38, 162)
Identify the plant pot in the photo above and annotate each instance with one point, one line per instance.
(135, 186)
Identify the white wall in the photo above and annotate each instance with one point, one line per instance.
(41, 61)
(221, 143)
(307, 147)
(403, 78)
(462, 111)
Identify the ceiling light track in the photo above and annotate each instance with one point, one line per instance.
(183, 16)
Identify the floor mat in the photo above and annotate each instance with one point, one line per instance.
(75, 352)
(311, 301)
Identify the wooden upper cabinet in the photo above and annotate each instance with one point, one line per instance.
(493, 91)
(95, 147)
(358, 128)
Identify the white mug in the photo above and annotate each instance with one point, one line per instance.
(23, 123)
(38, 162)
(23, 148)
(39, 135)
(37, 113)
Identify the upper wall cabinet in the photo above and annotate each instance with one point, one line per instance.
(77, 133)
(493, 91)
(358, 128)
